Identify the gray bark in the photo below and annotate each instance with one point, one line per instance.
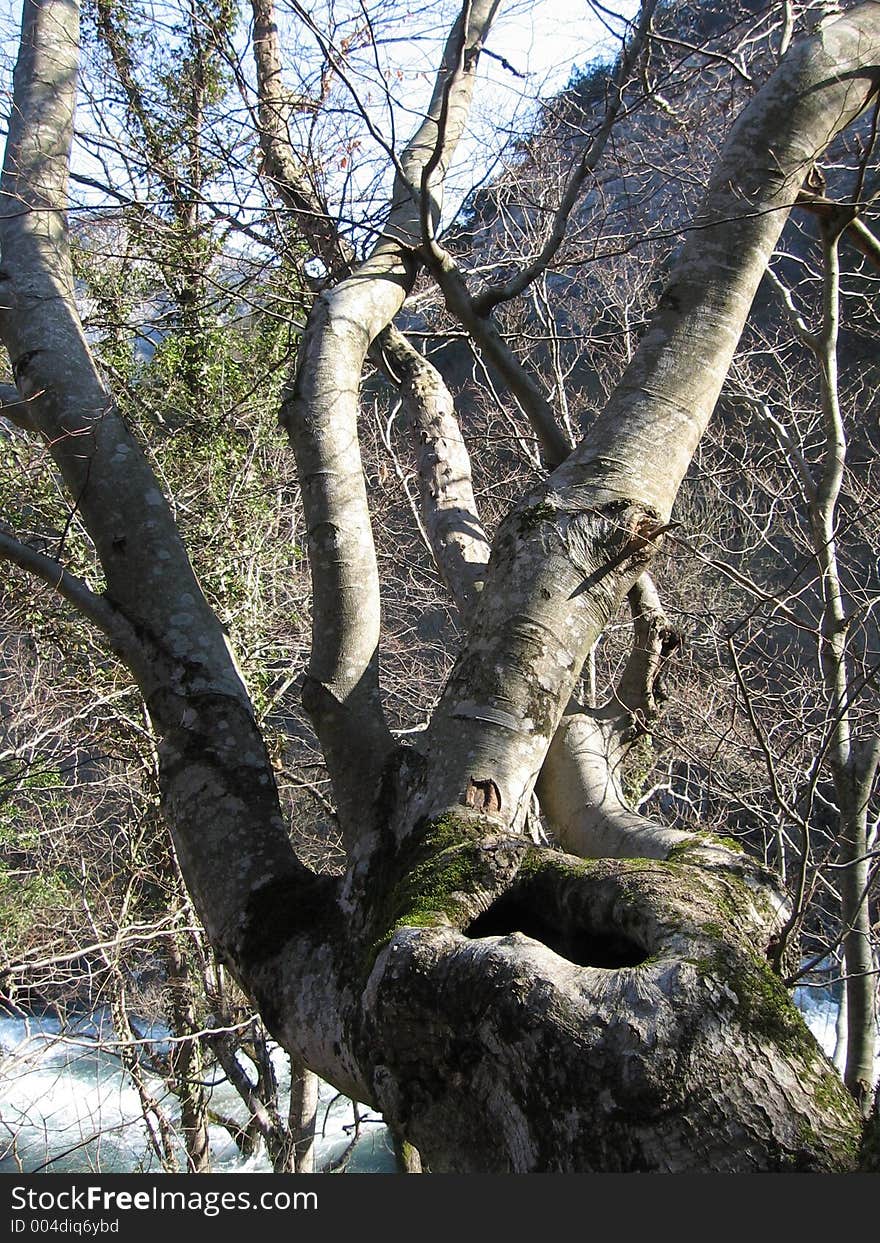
(581, 784)
(449, 511)
(458, 541)
(217, 783)
(302, 1116)
(853, 760)
(320, 413)
(570, 550)
(637, 994)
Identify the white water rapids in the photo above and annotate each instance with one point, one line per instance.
(67, 1106)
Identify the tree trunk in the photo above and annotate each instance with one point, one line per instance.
(302, 1116)
(186, 1069)
(511, 1009)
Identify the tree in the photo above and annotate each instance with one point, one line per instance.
(506, 1006)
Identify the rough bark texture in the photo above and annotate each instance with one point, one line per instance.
(601, 1015)
(320, 414)
(564, 559)
(217, 783)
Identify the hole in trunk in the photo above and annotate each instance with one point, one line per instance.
(586, 947)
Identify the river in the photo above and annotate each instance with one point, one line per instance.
(66, 1106)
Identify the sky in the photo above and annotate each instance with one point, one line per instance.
(541, 41)
(544, 41)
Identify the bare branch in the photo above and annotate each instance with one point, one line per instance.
(15, 408)
(320, 413)
(640, 688)
(96, 608)
(491, 296)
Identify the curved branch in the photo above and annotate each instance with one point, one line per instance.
(458, 542)
(581, 785)
(486, 299)
(14, 408)
(96, 608)
(580, 788)
(565, 557)
(320, 412)
(217, 783)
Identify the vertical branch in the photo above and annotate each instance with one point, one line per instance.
(302, 1116)
(457, 539)
(186, 1068)
(853, 761)
(854, 765)
(456, 536)
(320, 412)
(287, 171)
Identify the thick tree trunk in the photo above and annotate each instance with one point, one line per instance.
(510, 1009)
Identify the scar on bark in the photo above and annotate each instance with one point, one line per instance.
(482, 795)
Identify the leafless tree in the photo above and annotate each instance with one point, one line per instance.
(457, 976)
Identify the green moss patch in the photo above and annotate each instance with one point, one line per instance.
(438, 880)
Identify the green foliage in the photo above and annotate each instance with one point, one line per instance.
(25, 799)
(173, 78)
(28, 902)
(29, 897)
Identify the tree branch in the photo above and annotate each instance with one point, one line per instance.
(491, 296)
(555, 446)
(14, 408)
(222, 803)
(574, 546)
(856, 232)
(456, 536)
(96, 608)
(449, 509)
(640, 689)
(320, 413)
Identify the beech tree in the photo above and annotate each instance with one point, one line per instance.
(611, 1005)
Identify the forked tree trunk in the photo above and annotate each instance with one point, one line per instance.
(507, 1008)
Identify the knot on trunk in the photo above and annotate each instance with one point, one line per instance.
(617, 537)
(482, 795)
